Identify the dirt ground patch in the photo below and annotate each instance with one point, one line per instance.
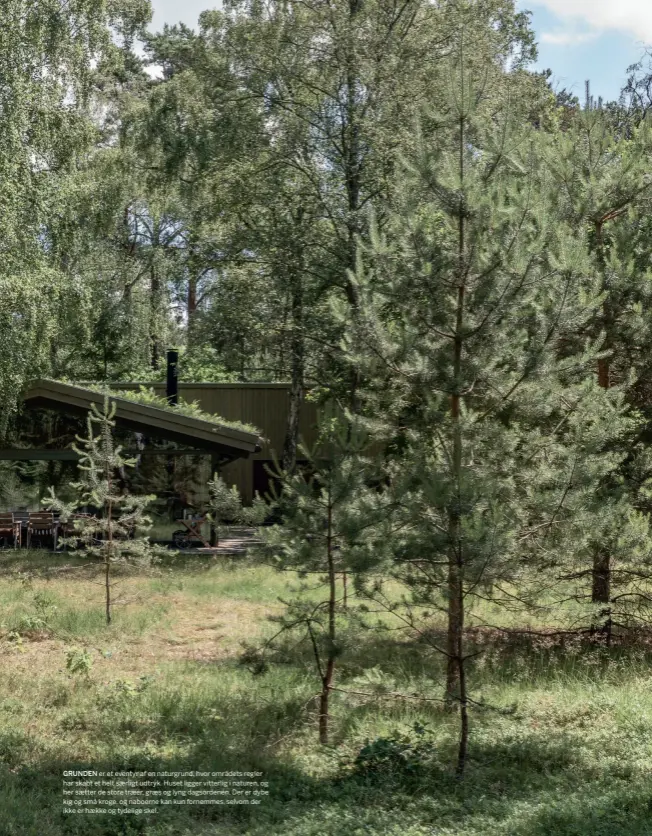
(205, 632)
(191, 631)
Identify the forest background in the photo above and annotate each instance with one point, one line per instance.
(381, 203)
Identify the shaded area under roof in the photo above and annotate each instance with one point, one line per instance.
(214, 438)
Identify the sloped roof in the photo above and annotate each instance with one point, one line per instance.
(150, 420)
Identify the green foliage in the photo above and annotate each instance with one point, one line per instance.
(410, 220)
(333, 524)
(41, 620)
(29, 623)
(329, 504)
(44, 603)
(397, 757)
(79, 662)
(20, 484)
(118, 536)
(128, 688)
(109, 535)
(564, 762)
(277, 155)
(46, 56)
(226, 506)
(475, 338)
(149, 398)
(203, 363)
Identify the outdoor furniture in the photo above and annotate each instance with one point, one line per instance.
(191, 531)
(10, 527)
(42, 524)
(68, 528)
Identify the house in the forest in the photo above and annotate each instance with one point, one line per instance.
(172, 444)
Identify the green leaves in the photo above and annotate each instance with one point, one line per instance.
(226, 505)
(117, 533)
(47, 50)
(476, 336)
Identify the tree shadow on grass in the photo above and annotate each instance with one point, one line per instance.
(37, 563)
(495, 657)
(31, 799)
(615, 811)
(519, 781)
(552, 788)
(523, 788)
(40, 563)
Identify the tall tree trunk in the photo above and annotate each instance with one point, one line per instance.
(192, 297)
(352, 177)
(455, 631)
(601, 574)
(155, 304)
(155, 298)
(455, 671)
(456, 558)
(455, 620)
(601, 580)
(191, 309)
(54, 358)
(464, 707)
(108, 552)
(107, 589)
(327, 678)
(351, 148)
(64, 266)
(297, 350)
(324, 709)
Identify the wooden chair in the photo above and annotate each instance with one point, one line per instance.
(67, 528)
(42, 524)
(10, 527)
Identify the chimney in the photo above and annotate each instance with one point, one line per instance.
(171, 387)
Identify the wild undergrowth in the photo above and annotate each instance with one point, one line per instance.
(561, 739)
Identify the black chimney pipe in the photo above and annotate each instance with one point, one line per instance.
(172, 385)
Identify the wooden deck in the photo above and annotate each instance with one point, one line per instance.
(236, 543)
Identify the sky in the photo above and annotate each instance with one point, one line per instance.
(173, 11)
(578, 39)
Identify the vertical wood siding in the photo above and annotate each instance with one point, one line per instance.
(265, 405)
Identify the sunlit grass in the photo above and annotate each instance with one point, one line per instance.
(561, 742)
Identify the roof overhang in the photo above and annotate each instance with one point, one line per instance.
(151, 421)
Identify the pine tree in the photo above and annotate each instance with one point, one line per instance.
(333, 524)
(603, 185)
(118, 536)
(499, 437)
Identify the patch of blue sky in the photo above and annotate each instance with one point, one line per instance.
(578, 39)
(593, 40)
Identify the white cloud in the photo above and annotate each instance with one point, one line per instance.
(567, 38)
(173, 11)
(633, 17)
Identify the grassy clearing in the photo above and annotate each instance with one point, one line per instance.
(569, 752)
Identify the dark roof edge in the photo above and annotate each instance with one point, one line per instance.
(165, 420)
(185, 385)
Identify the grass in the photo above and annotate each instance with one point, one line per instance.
(563, 745)
(148, 397)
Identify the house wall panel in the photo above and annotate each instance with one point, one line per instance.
(265, 405)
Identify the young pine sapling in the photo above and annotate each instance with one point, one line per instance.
(331, 519)
(118, 535)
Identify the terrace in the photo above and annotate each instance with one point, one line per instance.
(189, 431)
